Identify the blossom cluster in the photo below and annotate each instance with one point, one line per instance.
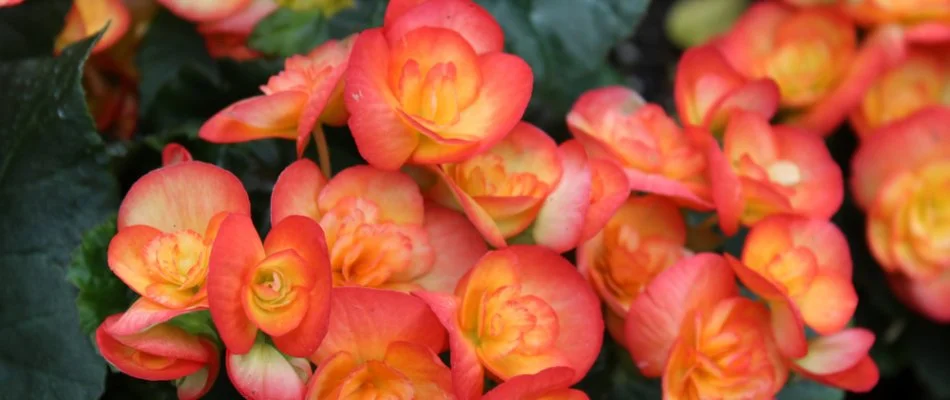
(451, 238)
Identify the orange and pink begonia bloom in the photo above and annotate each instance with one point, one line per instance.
(381, 344)
(166, 225)
(227, 37)
(920, 81)
(519, 311)
(813, 56)
(774, 169)
(901, 175)
(281, 286)
(708, 89)
(691, 327)
(433, 85)
(305, 94)
(379, 230)
(801, 268)
(550, 384)
(264, 373)
(527, 184)
(655, 153)
(643, 238)
(162, 352)
(841, 360)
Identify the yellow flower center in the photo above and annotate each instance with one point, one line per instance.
(514, 323)
(486, 175)
(629, 262)
(178, 259)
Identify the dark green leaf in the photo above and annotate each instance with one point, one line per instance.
(30, 28)
(566, 42)
(287, 32)
(173, 58)
(799, 388)
(122, 387)
(363, 15)
(927, 348)
(101, 293)
(198, 323)
(53, 188)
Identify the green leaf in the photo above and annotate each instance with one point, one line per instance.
(799, 388)
(101, 293)
(566, 42)
(198, 323)
(173, 59)
(364, 14)
(53, 188)
(30, 28)
(287, 32)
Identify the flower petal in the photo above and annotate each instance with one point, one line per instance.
(236, 250)
(535, 386)
(196, 385)
(126, 256)
(204, 10)
(655, 317)
(431, 379)
(382, 138)
(482, 221)
(609, 189)
(466, 17)
(468, 376)
(838, 352)
(365, 321)
(174, 153)
(142, 315)
(559, 223)
(459, 246)
(174, 353)
(182, 196)
(260, 117)
(296, 191)
(395, 193)
(264, 374)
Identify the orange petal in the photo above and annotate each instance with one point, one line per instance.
(88, 17)
(296, 191)
(241, 23)
(365, 321)
(330, 375)
(459, 246)
(236, 250)
(163, 352)
(260, 117)
(725, 185)
(126, 256)
(609, 189)
(143, 314)
(468, 376)
(559, 224)
(204, 10)
(788, 329)
(430, 378)
(829, 304)
(280, 321)
(305, 237)
(655, 317)
(535, 386)
(475, 213)
(382, 138)
(883, 50)
(841, 360)
(901, 146)
(174, 153)
(821, 190)
(466, 17)
(182, 196)
(263, 373)
(502, 99)
(395, 193)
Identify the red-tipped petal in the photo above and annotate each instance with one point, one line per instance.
(480, 218)
(204, 10)
(183, 353)
(788, 329)
(296, 191)
(260, 117)
(459, 246)
(395, 193)
(841, 360)
(609, 189)
(654, 319)
(93, 17)
(431, 379)
(126, 256)
(236, 250)
(174, 153)
(382, 138)
(468, 376)
(143, 314)
(263, 373)
(559, 224)
(466, 17)
(365, 321)
(183, 196)
(533, 387)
